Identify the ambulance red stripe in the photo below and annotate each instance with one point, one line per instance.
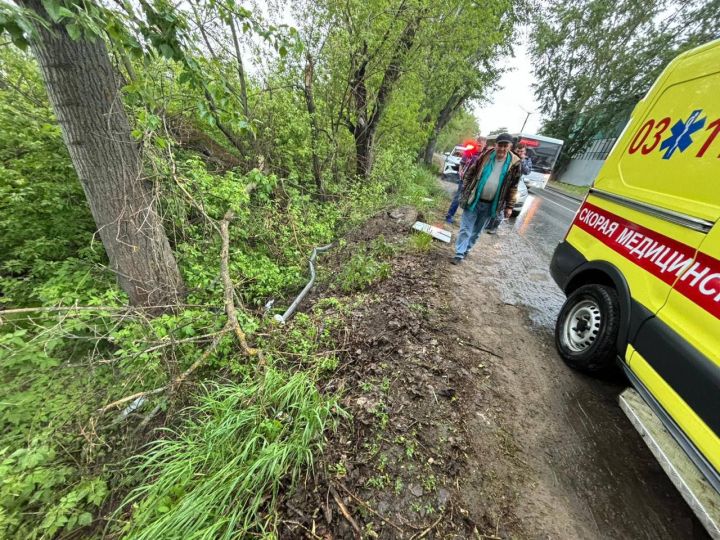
(698, 278)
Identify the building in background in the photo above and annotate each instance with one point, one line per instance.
(585, 165)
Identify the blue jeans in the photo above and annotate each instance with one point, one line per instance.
(455, 203)
(472, 224)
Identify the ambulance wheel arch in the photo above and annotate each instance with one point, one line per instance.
(604, 273)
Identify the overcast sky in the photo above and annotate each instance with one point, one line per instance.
(514, 95)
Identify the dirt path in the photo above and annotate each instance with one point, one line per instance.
(569, 462)
(466, 424)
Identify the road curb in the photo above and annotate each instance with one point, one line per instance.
(566, 194)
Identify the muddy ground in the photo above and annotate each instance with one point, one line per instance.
(465, 422)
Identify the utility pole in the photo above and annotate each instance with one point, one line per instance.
(528, 113)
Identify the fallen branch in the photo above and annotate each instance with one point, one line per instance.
(174, 384)
(93, 308)
(481, 349)
(230, 309)
(346, 513)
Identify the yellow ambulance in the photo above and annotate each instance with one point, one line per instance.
(640, 266)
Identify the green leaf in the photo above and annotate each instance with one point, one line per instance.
(53, 9)
(84, 519)
(74, 31)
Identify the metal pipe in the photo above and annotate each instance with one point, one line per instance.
(289, 312)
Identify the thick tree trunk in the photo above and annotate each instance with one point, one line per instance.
(430, 146)
(84, 93)
(363, 152)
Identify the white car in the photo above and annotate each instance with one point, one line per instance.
(522, 197)
(452, 162)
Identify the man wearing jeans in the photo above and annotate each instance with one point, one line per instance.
(490, 183)
(466, 161)
(520, 150)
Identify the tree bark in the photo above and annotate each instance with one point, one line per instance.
(367, 123)
(314, 131)
(452, 105)
(84, 92)
(240, 69)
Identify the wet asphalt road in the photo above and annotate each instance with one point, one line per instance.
(598, 459)
(545, 218)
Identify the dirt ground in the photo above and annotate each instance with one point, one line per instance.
(465, 422)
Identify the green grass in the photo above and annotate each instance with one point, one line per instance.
(578, 191)
(220, 475)
(420, 241)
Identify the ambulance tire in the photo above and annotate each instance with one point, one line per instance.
(587, 328)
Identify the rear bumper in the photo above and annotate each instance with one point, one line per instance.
(538, 184)
(565, 260)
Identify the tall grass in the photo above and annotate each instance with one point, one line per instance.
(220, 476)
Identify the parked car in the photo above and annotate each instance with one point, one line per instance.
(452, 162)
(522, 197)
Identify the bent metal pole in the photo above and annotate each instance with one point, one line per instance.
(289, 312)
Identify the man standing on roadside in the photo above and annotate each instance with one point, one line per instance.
(466, 161)
(520, 150)
(490, 183)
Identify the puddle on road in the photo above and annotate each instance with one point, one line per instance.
(521, 274)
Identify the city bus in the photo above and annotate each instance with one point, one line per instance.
(543, 151)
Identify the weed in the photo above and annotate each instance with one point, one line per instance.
(339, 470)
(381, 248)
(429, 482)
(382, 463)
(408, 444)
(385, 386)
(398, 486)
(421, 241)
(420, 309)
(416, 507)
(381, 415)
(380, 481)
(361, 271)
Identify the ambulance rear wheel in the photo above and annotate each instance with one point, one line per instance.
(587, 328)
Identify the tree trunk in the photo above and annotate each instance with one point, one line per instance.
(452, 105)
(430, 146)
(363, 152)
(314, 131)
(240, 69)
(84, 93)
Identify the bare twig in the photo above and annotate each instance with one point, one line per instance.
(482, 349)
(92, 308)
(430, 528)
(370, 509)
(346, 513)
